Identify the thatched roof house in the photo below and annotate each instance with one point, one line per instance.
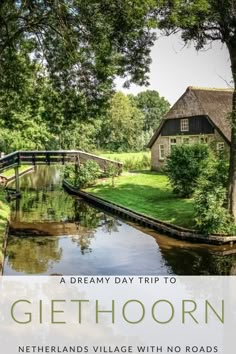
(200, 114)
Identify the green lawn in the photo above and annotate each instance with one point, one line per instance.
(4, 216)
(148, 193)
(9, 173)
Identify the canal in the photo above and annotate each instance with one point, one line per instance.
(53, 233)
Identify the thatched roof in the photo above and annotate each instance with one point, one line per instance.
(216, 104)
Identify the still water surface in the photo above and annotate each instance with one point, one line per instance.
(52, 232)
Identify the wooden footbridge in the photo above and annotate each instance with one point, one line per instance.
(77, 157)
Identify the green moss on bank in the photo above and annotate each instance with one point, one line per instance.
(4, 217)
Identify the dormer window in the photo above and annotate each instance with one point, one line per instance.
(184, 125)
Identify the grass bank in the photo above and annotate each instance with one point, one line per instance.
(130, 160)
(4, 217)
(11, 172)
(148, 193)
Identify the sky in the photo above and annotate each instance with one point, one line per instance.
(175, 67)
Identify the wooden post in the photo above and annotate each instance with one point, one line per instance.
(47, 158)
(77, 164)
(34, 159)
(17, 179)
(78, 160)
(119, 169)
(18, 159)
(17, 210)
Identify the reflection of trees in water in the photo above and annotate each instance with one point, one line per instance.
(224, 265)
(198, 261)
(91, 217)
(88, 219)
(83, 240)
(44, 201)
(44, 177)
(43, 198)
(43, 206)
(110, 224)
(86, 215)
(40, 203)
(32, 255)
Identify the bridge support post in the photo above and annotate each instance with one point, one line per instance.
(77, 165)
(17, 179)
(17, 210)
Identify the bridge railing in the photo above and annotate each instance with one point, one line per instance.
(54, 157)
(9, 160)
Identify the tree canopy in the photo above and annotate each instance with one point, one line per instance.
(153, 108)
(201, 21)
(80, 45)
(123, 125)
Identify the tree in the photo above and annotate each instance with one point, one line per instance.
(204, 21)
(123, 124)
(194, 159)
(211, 215)
(81, 45)
(80, 135)
(153, 108)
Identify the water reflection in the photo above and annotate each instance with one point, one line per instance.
(194, 259)
(200, 260)
(33, 255)
(53, 233)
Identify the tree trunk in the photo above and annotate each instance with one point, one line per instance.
(232, 166)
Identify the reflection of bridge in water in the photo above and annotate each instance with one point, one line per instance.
(57, 157)
(19, 228)
(44, 228)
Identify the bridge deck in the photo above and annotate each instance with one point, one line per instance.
(53, 157)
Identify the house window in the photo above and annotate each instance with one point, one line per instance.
(185, 140)
(220, 146)
(203, 139)
(161, 152)
(173, 142)
(184, 125)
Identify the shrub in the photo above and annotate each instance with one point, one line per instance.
(85, 175)
(184, 166)
(112, 171)
(211, 215)
(69, 172)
